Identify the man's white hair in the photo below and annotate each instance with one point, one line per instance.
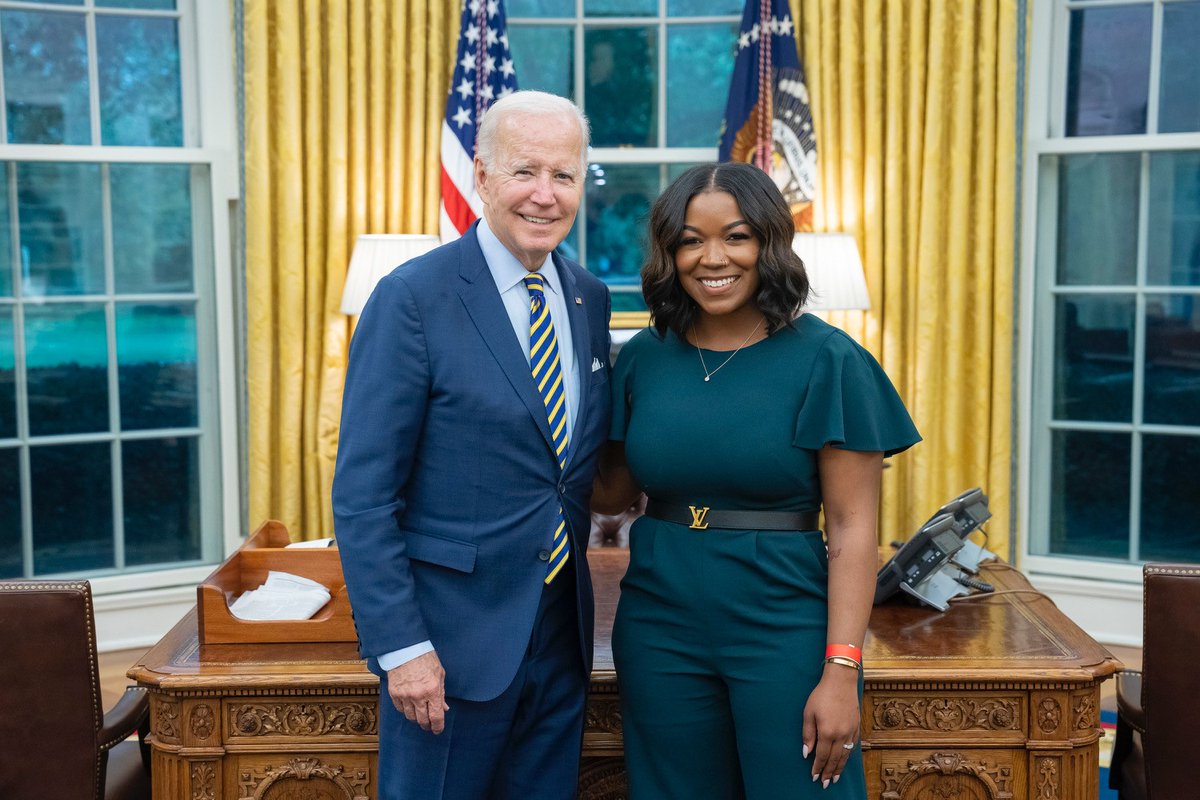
(531, 103)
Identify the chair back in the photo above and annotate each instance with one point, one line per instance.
(1171, 678)
(49, 692)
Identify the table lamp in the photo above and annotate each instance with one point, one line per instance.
(375, 255)
(835, 272)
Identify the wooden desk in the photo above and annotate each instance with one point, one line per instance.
(997, 699)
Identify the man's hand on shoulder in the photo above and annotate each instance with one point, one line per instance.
(418, 690)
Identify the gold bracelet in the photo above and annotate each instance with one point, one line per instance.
(845, 662)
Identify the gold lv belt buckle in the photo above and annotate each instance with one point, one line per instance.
(698, 515)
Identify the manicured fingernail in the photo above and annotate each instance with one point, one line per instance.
(804, 752)
(837, 777)
(815, 776)
(825, 783)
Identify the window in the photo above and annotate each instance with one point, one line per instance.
(652, 77)
(1113, 250)
(109, 234)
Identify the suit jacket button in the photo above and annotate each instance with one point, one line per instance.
(543, 555)
(562, 488)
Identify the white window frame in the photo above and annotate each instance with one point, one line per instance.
(660, 155)
(136, 608)
(1103, 595)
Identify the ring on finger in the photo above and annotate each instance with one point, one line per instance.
(848, 746)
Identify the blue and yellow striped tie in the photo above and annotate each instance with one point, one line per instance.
(548, 377)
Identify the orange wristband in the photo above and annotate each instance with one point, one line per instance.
(844, 651)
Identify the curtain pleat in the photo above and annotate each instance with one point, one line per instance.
(341, 139)
(915, 110)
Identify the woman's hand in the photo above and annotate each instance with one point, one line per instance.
(831, 720)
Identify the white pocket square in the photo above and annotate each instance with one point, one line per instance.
(596, 365)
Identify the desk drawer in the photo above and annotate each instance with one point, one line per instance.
(299, 721)
(975, 718)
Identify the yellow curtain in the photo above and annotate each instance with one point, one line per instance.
(343, 107)
(915, 110)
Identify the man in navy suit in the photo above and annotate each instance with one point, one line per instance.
(464, 475)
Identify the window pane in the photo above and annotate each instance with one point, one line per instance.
(62, 244)
(10, 513)
(619, 96)
(699, 65)
(1173, 359)
(1097, 218)
(165, 5)
(1089, 494)
(1093, 358)
(72, 507)
(1179, 95)
(675, 170)
(156, 365)
(703, 8)
(628, 298)
(161, 480)
(570, 245)
(152, 246)
(8, 386)
(46, 77)
(620, 8)
(1173, 243)
(538, 8)
(1168, 501)
(6, 261)
(66, 358)
(618, 207)
(138, 61)
(1108, 70)
(544, 57)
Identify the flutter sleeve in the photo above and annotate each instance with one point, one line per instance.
(851, 403)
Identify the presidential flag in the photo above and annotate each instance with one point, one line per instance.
(768, 122)
(483, 74)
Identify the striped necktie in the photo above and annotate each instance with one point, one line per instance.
(548, 377)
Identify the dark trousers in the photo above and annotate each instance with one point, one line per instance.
(719, 640)
(523, 745)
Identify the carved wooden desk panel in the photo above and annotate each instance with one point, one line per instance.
(997, 699)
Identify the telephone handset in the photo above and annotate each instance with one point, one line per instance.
(919, 559)
(970, 511)
(927, 566)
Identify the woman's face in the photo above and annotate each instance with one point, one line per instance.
(717, 257)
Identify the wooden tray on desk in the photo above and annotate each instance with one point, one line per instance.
(247, 569)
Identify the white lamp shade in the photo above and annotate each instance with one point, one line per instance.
(375, 255)
(835, 271)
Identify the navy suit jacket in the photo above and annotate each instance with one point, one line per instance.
(447, 485)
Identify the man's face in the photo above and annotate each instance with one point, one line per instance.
(532, 191)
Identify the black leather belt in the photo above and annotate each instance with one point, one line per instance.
(701, 517)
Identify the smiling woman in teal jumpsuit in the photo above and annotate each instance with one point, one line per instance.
(740, 420)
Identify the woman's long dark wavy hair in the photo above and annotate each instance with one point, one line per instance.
(783, 283)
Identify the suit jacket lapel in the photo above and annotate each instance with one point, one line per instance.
(581, 340)
(483, 303)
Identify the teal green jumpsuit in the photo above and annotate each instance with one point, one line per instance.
(720, 634)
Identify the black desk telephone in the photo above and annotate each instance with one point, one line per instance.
(933, 565)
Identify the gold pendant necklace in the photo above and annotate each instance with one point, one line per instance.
(699, 352)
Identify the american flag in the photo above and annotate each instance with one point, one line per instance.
(768, 121)
(483, 74)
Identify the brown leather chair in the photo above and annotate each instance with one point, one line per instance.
(55, 739)
(1156, 751)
